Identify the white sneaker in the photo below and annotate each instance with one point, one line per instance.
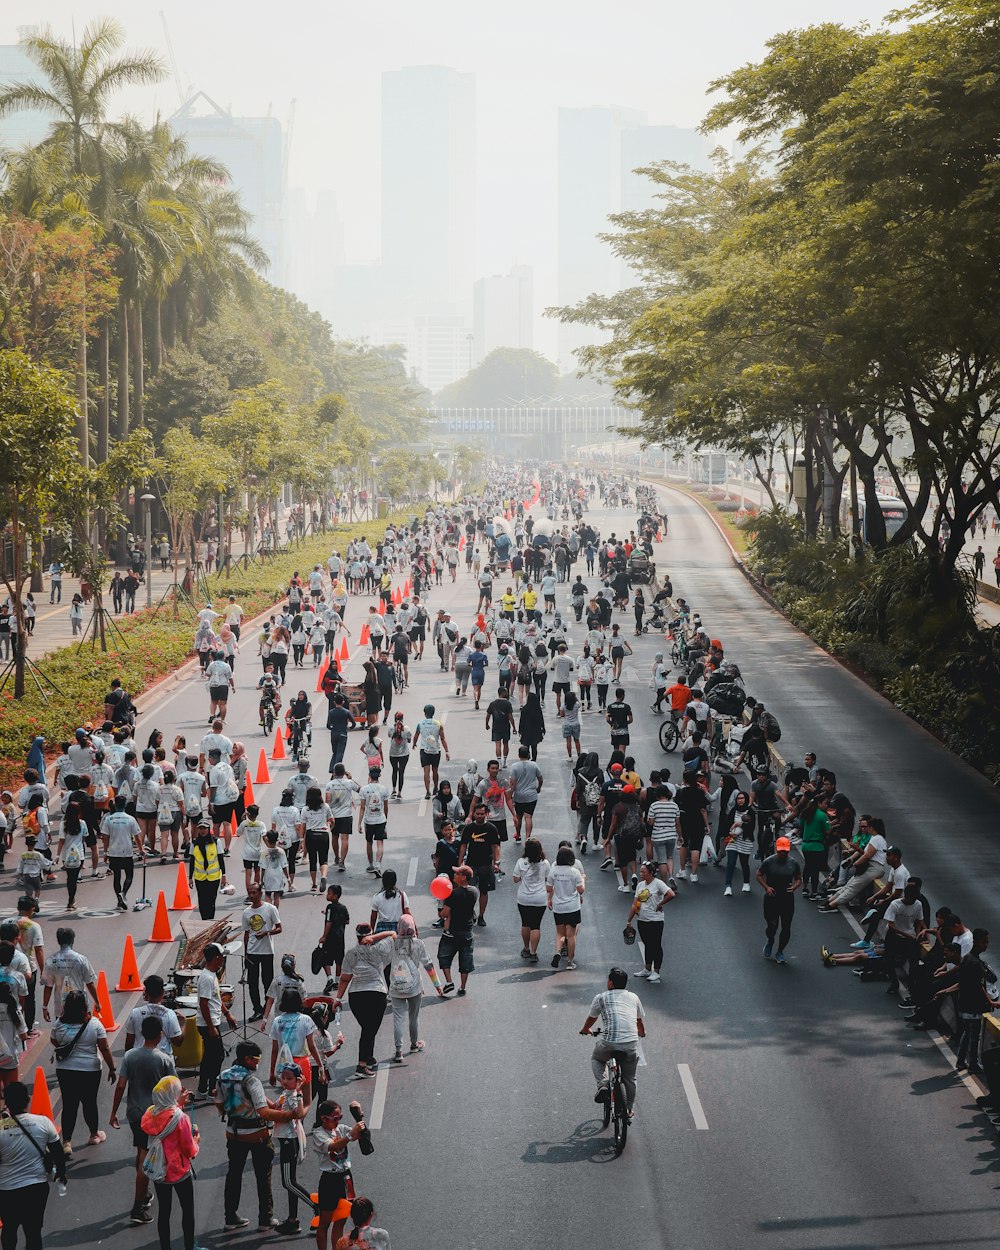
(683, 875)
(654, 978)
(727, 892)
(746, 888)
(623, 889)
(644, 972)
(694, 878)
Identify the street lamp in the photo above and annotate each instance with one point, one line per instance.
(147, 501)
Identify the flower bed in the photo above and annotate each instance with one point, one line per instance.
(156, 647)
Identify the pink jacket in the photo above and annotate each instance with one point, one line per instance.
(179, 1146)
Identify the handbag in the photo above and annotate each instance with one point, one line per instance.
(45, 1154)
(628, 933)
(317, 959)
(64, 1051)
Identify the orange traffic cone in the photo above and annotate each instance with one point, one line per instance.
(182, 892)
(397, 596)
(278, 750)
(161, 922)
(41, 1100)
(128, 978)
(248, 794)
(104, 1013)
(319, 679)
(407, 589)
(288, 733)
(381, 606)
(263, 777)
(365, 635)
(461, 542)
(345, 655)
(232, 823)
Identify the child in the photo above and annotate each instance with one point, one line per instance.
(63, 765)
(371, 748)
(252, 831)
(336, 920)
(330, 1140)
(31, 866)
(273, 869)
(8, 821)
(602, 679)
(291, 1139)
(327, 1043)
(36, 822)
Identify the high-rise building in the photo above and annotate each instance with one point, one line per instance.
(589, 191)
(314, 247)
(645, 145)
(27, 126)
(437, 347)
(502, 311)
(253, 151)
(429, 186)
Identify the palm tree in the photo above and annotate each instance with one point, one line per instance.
(81, 79)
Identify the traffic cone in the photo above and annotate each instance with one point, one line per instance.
(104, 1012)
(128, 978)
(365, 635)
(278, 750)
(41, 1099)
(248, 794)
(182, 892)
(381, 606)
(319, 679)
(288, 733)
(461, 542)
(407, 589)
(161, 922)
(263, 777)
(345, 654)
(397, 597)
(232, 823)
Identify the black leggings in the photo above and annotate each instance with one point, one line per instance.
(298, 652)
(260, 974)
(289, 1157)
(23, 1208)
(184, 1189)
(368, 1008)
(587, 822)
(318, 849)
(72, 877)
(651, 937)
(398, 764)
(208, 892)
(123, 870)
(815, 863)
(539, 680)
(79, 1092)
(779, 908)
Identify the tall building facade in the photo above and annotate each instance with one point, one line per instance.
(503, 308)
(429, 186)
(645, 145)
(253, 151)
(27, 126)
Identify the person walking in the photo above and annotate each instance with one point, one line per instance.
(211, 1013)
(261, 923)
(531, 875)
(164, 1119)
(362, 972)
(205, 861)
(531, 724)
(406, 992)
(141, 1069)
(80, 1043)
(564, 889)
(27, 1143)
(651, 896)
(780, 876)
(742, 842)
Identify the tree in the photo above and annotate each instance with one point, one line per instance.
(508, 375)
(190, 472)
(37, 419)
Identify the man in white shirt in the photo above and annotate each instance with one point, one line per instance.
(66, 970)
(340, 792)
(373, 815)
(211, 1013)
(260, 923)
(122, 836)
(234, 616)
(622, 1024)
(219, 676)
(215, 739)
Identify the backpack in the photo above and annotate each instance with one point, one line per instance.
(402, 975)
(632, 824)
(770, 726)
(237, 1108)
(591, 792)
(31, 822)
(154, 1166)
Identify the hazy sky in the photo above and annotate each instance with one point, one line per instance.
(529, 56)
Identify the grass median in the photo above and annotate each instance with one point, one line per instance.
(155, 646)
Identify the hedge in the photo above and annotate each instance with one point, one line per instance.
(156, 646)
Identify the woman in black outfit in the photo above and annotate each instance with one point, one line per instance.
(532, 724)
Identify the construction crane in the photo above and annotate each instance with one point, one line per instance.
(183, 92)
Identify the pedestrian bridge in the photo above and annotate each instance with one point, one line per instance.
(539, 427)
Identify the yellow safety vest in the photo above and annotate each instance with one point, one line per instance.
(206, 863)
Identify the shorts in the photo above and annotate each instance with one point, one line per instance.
(619, 740)
(560, 687)
(342, 824)
(333, 951)
(486, 881)
(375, 833)
(218, 694)
(461, 945)
(418, 634)
(430, 759)
(251, 863)
(140, 1140)
(663, 850)
(531, 916)
(500, 733)
(222, 813)
(571, 731)
(550, 598)
(525, 809)
(501, 827)
(567, 917)
(618, 653)
(332, 1193)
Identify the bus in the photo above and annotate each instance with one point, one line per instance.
(893, 510)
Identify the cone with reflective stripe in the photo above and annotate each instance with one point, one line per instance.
(278, 750)
(161, 921)
(263, 775)
(128, 978)
(182, 892)
(104, 1012)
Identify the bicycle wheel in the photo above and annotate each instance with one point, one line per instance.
(675, 654)
(619, 1115)
(607, 1112)
(669, 735)
(268, 722)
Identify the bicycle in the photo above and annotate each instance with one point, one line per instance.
(670, 735)
(267, 717)
(616, 1111)
(398, 676)
(680, 650)
(301, 737)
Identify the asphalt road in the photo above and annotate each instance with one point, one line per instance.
(829, 1125)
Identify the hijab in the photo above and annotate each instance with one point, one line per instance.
(239, 751)
(166, 1093)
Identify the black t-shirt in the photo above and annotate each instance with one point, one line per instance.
(338, 720)
(618, 714)
(479, 841)
(461, 904)
(447, 856)
(692, 800)
(338, 918)
(780, 874)
(695, 753)
(400, 649)
(500, 711)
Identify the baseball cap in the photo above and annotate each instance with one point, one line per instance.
(615, 768)
(783, 844)
(628, 789)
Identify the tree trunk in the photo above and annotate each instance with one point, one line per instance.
(82, 413)
(155, 338)
(104, 384)
(168, 328)
(138, 366)
(121, 366)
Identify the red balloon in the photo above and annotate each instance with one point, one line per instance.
(441, 887)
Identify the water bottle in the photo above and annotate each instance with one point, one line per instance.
(61, 1187)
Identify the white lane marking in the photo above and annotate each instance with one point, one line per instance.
(694, 1102)
(422, 808)
(444, 718)
(411, 876)
(374, 1121)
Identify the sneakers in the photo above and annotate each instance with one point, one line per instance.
(644, 973)
(624, 889)
(139, 1215)
(654, 978)
(481, 922)
(826, 957)
(603, 1094)
(746, 888)
(555, 959)
(392, 795)
(236, 1221)
(289, 1228)
(767, 951)
(583, 847)
(437, 924)
(633, 881)
(683, 875)
(571, 966)
(693, 878)
(608, 862)
(322, 884)
(330, 985)
(265, 1226)
(727, 892)
(861, 946)
(780, 957)
(370, 868)
(672, 882)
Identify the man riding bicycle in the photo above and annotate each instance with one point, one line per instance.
(622, 1024)
(268, 687)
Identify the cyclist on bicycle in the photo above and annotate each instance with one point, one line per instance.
(299, 719)
(622, 1024)
(268, 687)
(400, 648)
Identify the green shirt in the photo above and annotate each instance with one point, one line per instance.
(814, 828)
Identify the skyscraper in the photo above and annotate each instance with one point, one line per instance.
(252, 150)
(429, 186)
(502, 311)
(27, 126)
(589, 191)
(645, 145)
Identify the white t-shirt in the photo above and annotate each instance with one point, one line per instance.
(214, 741)
(291, 1028)
(258, 923)
(880, 846)
(564, 880)
(340, 792)
(619, 1012)
(21, 1163)
(649, 896)
(904, 916)
(374, 796)
(167, 1018)
(531, 890)
(284, 820)
(208, 987)
(429, 732)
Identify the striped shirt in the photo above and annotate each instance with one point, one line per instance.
(663, 814)
(618, 1011)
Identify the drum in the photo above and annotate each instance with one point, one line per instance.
(227, 994)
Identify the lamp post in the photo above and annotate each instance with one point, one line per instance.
(147, 502)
